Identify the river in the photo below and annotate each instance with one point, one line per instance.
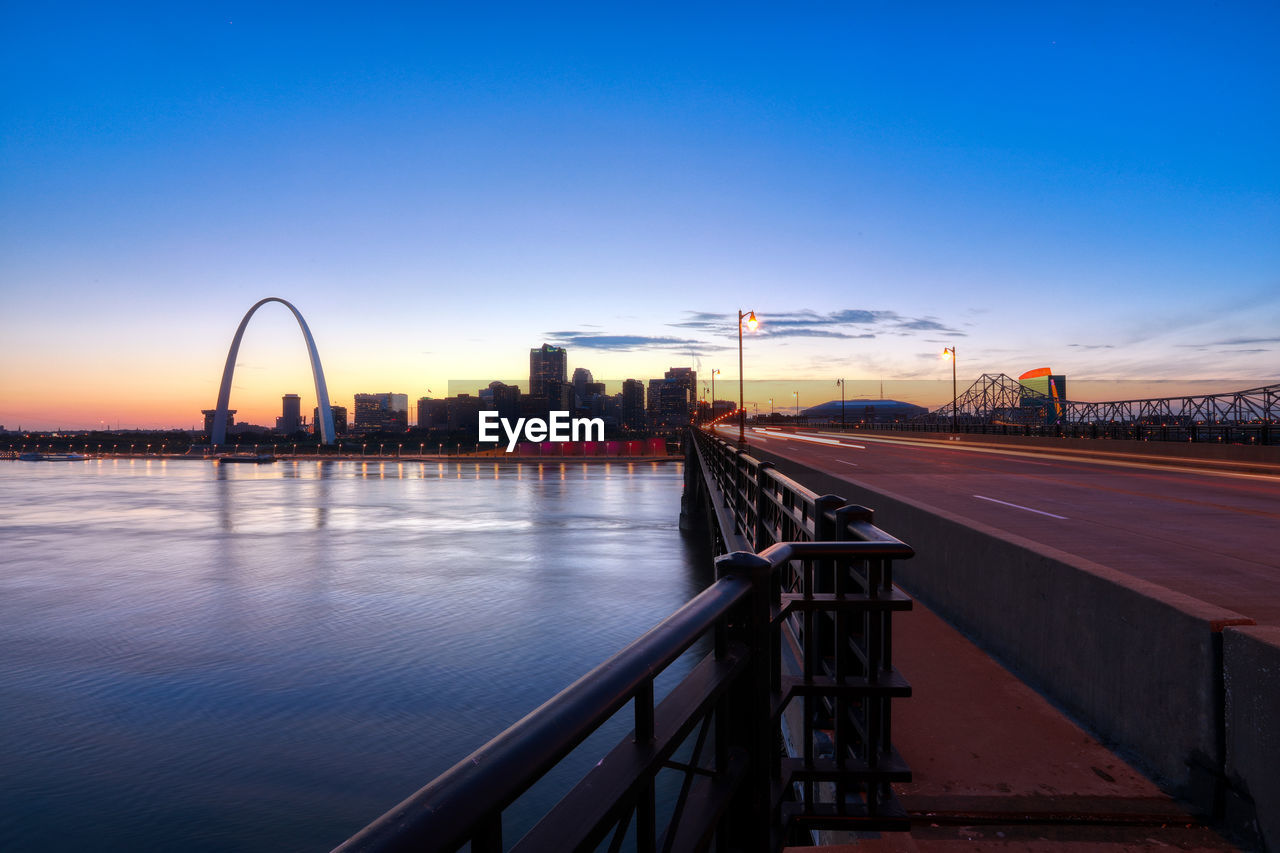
(266, 657)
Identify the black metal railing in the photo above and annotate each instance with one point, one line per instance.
(800, 659)
(832, 599)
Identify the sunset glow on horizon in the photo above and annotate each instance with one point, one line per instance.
(439, 191)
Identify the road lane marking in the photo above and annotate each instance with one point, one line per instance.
(788, 436)
(1152, 463)
(844, 462)
(1019, 506)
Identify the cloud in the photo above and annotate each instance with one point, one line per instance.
(812, 333)
(859, 316)
(845, 323)
(622, 343)
(1232, 342)
(925, 325)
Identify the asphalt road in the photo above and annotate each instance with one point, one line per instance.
(1211, 535)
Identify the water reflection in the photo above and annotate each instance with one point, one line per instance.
(326, 636)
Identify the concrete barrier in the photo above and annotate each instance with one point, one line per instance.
(1251, 677)
(1137, 663)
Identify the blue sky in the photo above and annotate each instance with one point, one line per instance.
(438, 189)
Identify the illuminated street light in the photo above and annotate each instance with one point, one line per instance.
(752, 324)
(950, 352)
(713, 392)
(796, 394)
(840, 382)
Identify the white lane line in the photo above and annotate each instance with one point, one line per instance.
(843, 462)
(1017, 506)
(811, 440)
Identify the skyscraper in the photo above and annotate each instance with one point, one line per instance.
(547, 364)
(581, 379)
(632, 410)
(291, 414)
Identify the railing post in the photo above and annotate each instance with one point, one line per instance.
(751, 821)
(739, 491)
(762, 507)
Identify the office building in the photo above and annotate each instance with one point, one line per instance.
(463, 412)
(339, 419)
(631, 409)
(291, 414)
(432, 414)
(382, 413)
(504, 399)
(547, 365)
(581, 379)
(209, 416)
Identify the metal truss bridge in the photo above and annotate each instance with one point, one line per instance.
(996, 399)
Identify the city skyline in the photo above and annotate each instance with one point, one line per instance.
(1089, 189)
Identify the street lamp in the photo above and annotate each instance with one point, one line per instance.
(840, 382)
(796, 394)
(752, 323)
(713, 393)
(950, 352)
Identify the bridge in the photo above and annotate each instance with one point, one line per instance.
(790, 730)
(1138, 586)
(1001, 404)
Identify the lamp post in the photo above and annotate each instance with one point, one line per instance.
(752, 323)
(713, 394)
(796, 394)
(840, 382)
(950, 352)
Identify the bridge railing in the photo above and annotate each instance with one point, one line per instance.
(832, 599)
(800, 637)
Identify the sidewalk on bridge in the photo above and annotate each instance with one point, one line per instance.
(997, 768)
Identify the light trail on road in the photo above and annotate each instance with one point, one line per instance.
(1214, 535)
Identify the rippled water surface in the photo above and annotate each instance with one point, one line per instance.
(243, 657)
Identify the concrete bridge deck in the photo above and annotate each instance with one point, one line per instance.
(998, 765)
(1212, 534)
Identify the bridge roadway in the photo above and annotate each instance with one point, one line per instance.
(1210, 534)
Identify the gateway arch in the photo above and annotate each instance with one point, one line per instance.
(219, 434)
